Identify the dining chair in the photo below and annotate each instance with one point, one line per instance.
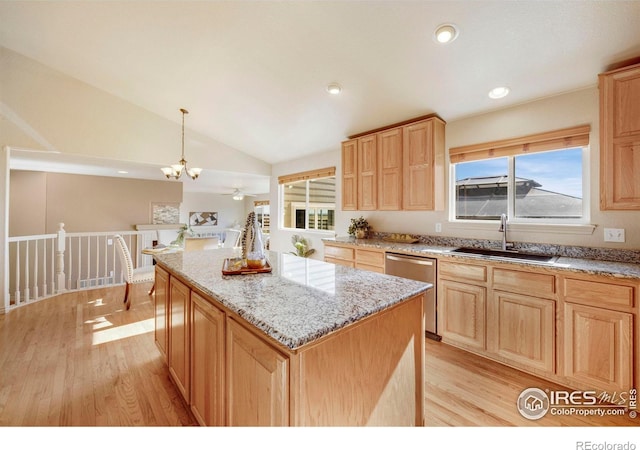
(132, 274)
(231, 238)
(195, 243)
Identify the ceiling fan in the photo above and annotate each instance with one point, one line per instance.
(239, 195)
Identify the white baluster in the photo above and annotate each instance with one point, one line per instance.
(60, 258)
(17, 294)
(27, 292)
(35, 272)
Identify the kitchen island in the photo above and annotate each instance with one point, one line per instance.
(308, 344)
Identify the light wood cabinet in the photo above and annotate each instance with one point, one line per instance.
(360, 258)
(390, 170)
(598, 349)
(521, 329)
(620, 139)
(161, 302)
(178, 358)
(350, 175)
(207, 362)
(398, 167)
(258, 380)
(367, 173)
(423, 165)
(461, 313)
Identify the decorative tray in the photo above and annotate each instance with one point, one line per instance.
(237, 266)
(401, 239)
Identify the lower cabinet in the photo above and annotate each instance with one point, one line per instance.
(207, 362)
(598, 349)
(360, 258)
(462, 313)
(258, 380)
(522, 330)
(178, 321)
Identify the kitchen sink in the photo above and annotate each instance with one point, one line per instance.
(506, 254)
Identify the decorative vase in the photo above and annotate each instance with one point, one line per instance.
(361, 233)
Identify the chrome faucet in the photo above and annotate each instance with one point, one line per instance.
(503, 230)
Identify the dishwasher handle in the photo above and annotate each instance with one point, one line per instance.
(421, 262)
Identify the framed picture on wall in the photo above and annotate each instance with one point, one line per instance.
(165, 213)
(199, 219)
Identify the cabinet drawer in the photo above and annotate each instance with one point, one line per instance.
(342, 262)
(536, 284)
(370, 268)
(338, 252)
(370, 257)
(598, 294)
(462, 271)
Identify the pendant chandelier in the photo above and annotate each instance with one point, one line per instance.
(176, 170)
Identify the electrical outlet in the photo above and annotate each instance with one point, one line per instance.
(109, 241)
(438, 227)
(614, 234)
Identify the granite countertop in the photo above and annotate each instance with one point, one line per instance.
(301, 299)
(625, 267)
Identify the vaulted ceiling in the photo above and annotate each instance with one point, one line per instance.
(253, 75)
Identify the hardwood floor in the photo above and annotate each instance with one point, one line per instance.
(81, 359)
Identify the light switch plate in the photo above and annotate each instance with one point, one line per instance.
(614, 234)
(438, 228)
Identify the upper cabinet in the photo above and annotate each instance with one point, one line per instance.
(620, 139)
(400, 167)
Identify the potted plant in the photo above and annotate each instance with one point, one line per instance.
(302, 246)
(359, 228)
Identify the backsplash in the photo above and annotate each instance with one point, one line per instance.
(599, 253)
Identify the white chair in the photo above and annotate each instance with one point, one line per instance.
(195, 243)
(131, 274)
(231, 238)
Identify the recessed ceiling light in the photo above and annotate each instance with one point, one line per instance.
(122, 171)
(334, 88)
(499, 92)
(446, 33)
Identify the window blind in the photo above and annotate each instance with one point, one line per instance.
(309, 175)
(540, 142)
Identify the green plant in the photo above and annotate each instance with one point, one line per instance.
(358, 224)
(184, 230)
(302, 246)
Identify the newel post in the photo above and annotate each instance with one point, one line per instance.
(60, 277)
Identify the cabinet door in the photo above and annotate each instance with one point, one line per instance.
(522, 329)
(598, 348)
(461, 313)
(350, 175)
(207, 362)
(620, 139)
(179, 335)
(390, 170)
(367, 173)
(161, 298)
(258, 379)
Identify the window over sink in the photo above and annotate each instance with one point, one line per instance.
(535, 179)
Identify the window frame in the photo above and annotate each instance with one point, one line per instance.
(307, 177)
(575, 137)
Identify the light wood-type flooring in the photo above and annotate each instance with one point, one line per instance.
(81, 359)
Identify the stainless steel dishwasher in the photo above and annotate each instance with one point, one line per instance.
(421, 269)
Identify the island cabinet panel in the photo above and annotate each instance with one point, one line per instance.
(179, 318)
(521, 329)
(620, 139)
(350, 175)
(207, 362)
(598, 347)
(258, 380)
(367, 173)
(390, 170)
(369, 374)
(161, 302)
(461, 313)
